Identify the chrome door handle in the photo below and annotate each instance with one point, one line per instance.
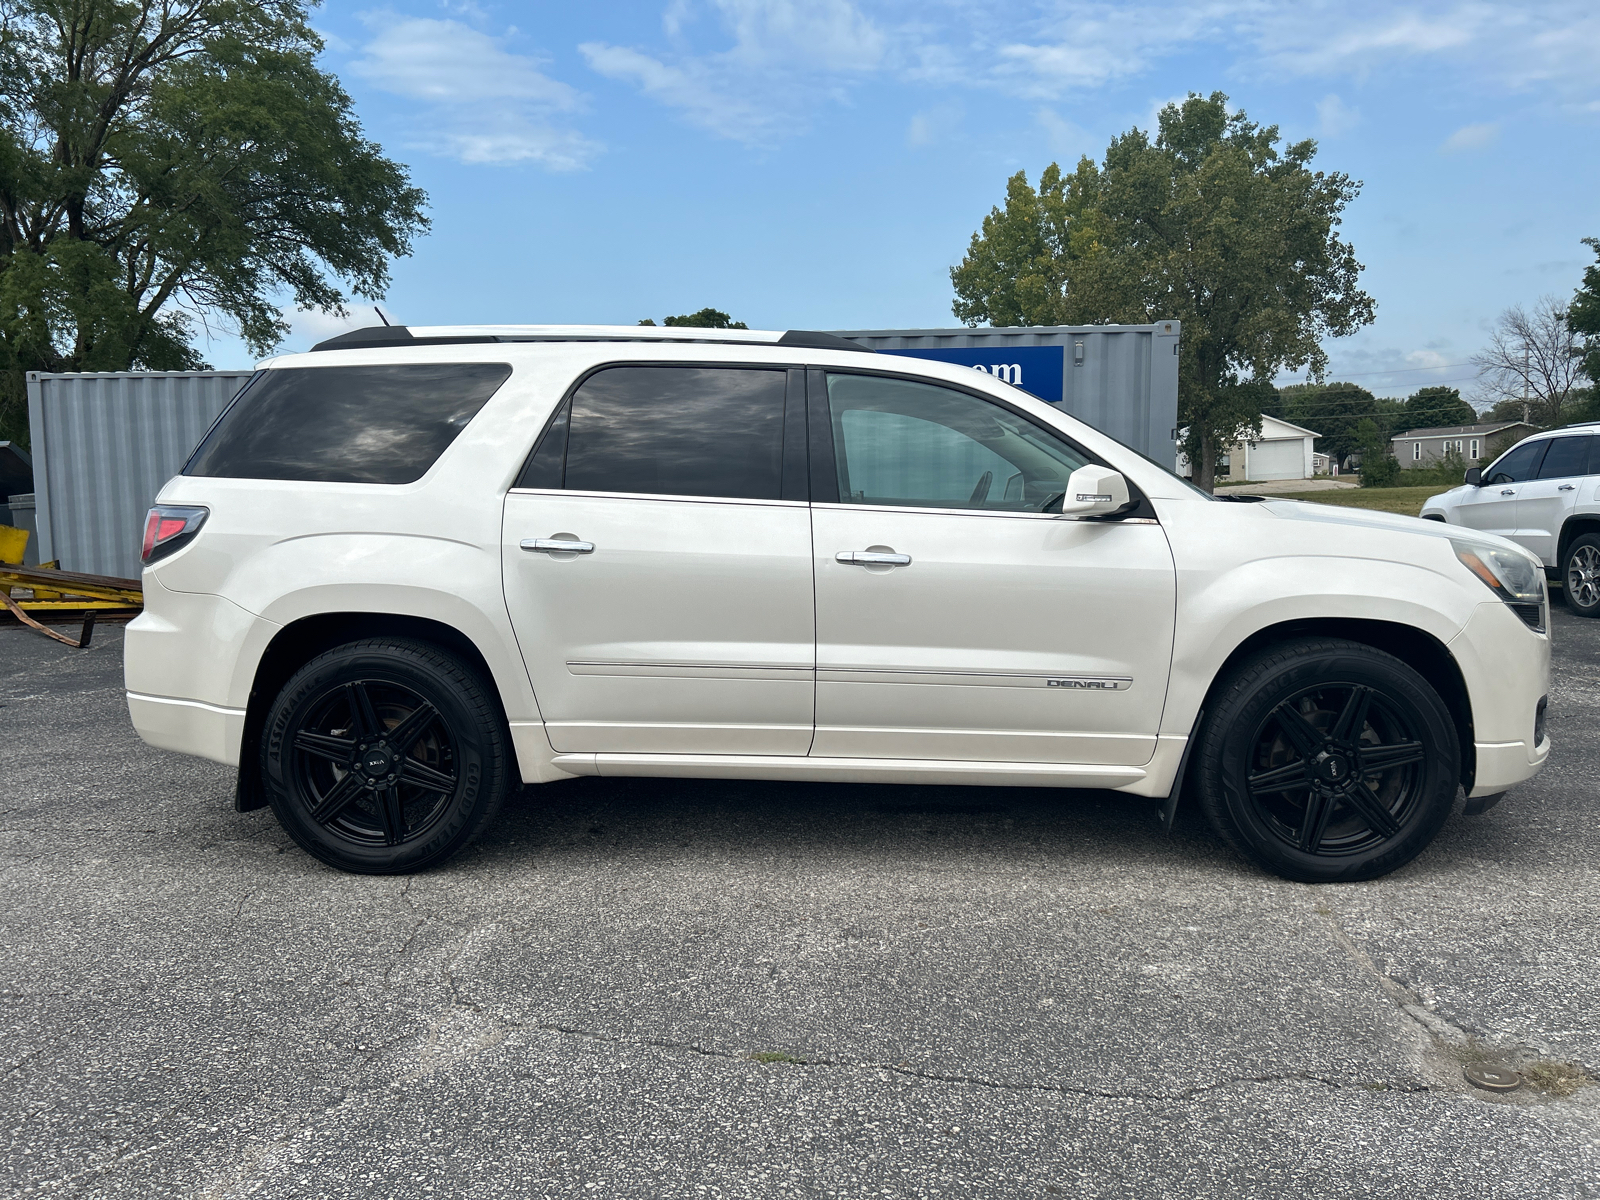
(1567, 487)
(1508, 491)
(557, 546)
(871, 558)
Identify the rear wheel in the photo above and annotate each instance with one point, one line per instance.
(1580, 575)
(384, 756)
(1328, 761)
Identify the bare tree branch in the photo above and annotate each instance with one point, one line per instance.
(1533, 355)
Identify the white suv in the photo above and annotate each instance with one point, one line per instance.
(1544, 494)
(412, 568)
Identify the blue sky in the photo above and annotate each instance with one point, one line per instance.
(822, 163)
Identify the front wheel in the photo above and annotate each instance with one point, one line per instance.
(384, 756)
(1580, 575)
(1328, 761)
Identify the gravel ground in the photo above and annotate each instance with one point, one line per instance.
(958, 992)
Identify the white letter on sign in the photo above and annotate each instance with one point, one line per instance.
(1010, 372)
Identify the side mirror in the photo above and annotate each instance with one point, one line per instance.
(1475, 476)
(1094, 491)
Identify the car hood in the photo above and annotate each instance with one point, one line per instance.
(1361, 518)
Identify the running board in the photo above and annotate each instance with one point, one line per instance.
(848, 770)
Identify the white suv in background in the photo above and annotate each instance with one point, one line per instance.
(1544, 494)
(412, 569)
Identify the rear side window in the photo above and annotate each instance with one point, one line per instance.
(673, 431)
(1567, 456)
(378, 424)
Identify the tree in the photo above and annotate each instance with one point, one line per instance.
(1212, 224)
(1378, 465)
(1583, 316)
(1533, 356)
(1433, 407)
(165, 163)
(706, 318)
(1333, 410)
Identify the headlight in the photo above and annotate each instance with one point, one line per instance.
(1510, 574)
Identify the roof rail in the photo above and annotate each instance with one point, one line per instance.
(376, 337)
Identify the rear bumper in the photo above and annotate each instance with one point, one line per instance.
(180, 667)
(188, 726)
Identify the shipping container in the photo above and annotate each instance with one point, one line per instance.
(103, 445)
(1122, 379)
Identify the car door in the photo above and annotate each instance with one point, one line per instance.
(1492, 506)
(1544, 502)
(657, 564)
(955, 619)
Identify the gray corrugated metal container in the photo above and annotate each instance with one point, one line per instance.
(103, 445)
(1122, 379)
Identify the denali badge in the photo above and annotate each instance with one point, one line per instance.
(1101, 683)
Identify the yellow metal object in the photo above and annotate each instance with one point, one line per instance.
(13, 542)
(75, 605)
(45, 593)
(52, 588)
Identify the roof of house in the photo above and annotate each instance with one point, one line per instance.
(1295, 430)
(1460, 430)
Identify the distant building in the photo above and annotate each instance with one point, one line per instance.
(1283, 451)
(1471, 443)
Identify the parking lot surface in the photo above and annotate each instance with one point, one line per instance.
(661, 988)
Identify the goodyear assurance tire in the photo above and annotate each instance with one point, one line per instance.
(384, 756)
(1328, 761)
(1580, 576)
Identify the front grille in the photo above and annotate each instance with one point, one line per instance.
(1532, 615)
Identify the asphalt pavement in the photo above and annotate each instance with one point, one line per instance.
(648, 988)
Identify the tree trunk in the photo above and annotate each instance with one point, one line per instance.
(1205, 475)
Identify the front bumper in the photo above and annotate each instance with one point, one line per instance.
(1506, 667)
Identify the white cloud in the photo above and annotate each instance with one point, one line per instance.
(483, 103)
(1335, 118)
(1067, 140)
(780, 59)
(1471, 137)
(786, 57)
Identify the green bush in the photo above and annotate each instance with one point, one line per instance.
(1380, 471)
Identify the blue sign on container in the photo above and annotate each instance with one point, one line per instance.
(1036, 369)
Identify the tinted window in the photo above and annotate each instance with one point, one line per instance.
(381, 424)
(1566, 456)
(903, 443)
(675, 431)
(1519, 463)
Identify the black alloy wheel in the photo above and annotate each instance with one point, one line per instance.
(1328, 761)
(384, 756)
(1580, 576)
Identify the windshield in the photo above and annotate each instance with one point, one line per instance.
(1193, 487)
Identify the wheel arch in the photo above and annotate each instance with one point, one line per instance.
(1573, 528)
(302, 640)
(1417, 648)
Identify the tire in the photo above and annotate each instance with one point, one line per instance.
(1580, 576)
(385, 756)
(1384, 761)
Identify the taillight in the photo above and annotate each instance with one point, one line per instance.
(169, 526)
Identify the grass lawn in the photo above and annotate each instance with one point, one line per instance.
(1405, 500)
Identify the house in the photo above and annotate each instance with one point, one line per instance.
(1323, 464)
(1283, 451)
(1470, 443)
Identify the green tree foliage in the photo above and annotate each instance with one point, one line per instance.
(706, 318)
(1211, 223)
(168, 162)
(1378, 465)
(1332, 410)
(1583, 317)
(1433, 407)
